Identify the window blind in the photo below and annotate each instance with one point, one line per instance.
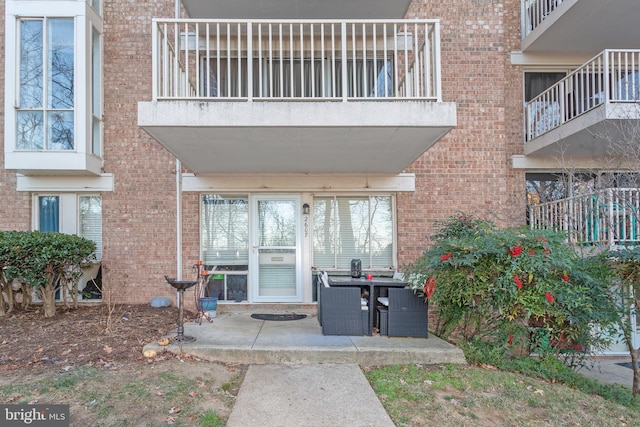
(91, 221)
(353, 227)
(225, 230)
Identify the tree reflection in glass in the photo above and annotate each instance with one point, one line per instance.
(50, 126)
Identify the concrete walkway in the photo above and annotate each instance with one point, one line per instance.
(608, 370)
(326, 395)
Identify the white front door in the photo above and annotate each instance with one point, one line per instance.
(276, 249)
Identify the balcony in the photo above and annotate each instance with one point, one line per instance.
(579, 26)
(583, 114)
(606, 218)
(359, 96)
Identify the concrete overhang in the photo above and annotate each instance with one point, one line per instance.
(600, 139)
(589, 26)
(296, 9)
(593, 135)
(297, 137)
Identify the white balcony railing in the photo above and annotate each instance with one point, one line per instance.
(536, 11)
(609, 217)
(302, 60)
(613, 76)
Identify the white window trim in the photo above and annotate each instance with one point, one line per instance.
(85, 18)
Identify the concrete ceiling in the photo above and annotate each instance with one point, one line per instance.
(597, 135)
(296, 9)
(588, 26)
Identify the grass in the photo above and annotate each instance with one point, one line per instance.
(141, 395)
(523, 392)
(498, 389)
(452, 395)
(548, 368)
(211, 419)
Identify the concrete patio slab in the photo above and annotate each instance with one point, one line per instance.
(238, 338)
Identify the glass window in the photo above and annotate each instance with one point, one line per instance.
(537, 82)
(51, 208)
(353, 227)
(90, 217)
(45, 116)
(96, 93)
(225, 245)
(97, 5)
(225, 230)
(49, 213)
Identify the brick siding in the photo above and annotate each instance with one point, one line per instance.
(468, 170)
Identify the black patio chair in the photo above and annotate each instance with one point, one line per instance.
(341, 311)
(408, 314)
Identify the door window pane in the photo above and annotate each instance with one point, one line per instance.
(381, 232)
(347, 228)
(277, 223)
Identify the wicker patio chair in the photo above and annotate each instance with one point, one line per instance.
(408, 314)
(341, 311)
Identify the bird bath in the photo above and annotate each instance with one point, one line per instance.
(181, 286)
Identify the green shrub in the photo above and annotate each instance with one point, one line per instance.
(516, 288)
(46, 261)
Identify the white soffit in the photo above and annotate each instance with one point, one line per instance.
(299, 183)
(296, 9)
(76, 184)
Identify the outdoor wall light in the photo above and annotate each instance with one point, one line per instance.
(305, 209)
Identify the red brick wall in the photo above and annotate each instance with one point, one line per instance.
(139, 227)
(470, 168)
(15, 212)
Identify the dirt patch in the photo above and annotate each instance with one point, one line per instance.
(77, 337)
(97, 367)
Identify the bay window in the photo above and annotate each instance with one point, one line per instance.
(54, 109)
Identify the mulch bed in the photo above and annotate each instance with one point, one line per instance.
(83, 336)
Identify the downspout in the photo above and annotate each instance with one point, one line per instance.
(178, 198)
(178, 219)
